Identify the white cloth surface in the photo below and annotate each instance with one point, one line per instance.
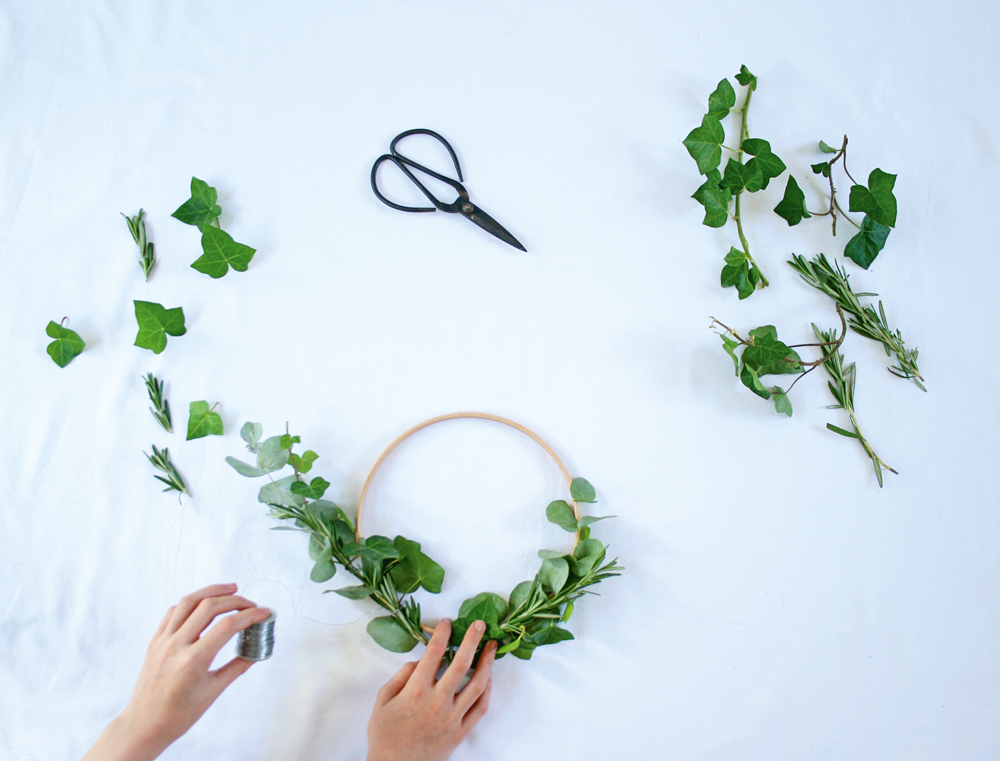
(776, 604)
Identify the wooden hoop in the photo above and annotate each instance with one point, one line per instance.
(455, 416)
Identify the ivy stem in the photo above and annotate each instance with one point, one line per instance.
(744, 134)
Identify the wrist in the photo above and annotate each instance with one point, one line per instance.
(126, 739)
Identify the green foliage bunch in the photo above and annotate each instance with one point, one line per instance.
(220, 251)
(390, 571)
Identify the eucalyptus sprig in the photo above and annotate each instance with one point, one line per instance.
(389, 571)
(137, 227)
(161, 407)
(719, 192)
(864, 320)
(875, 200)
(842, 387)
(161, 461)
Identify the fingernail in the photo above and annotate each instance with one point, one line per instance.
(263, 613)
(446, 621)
(231, 586)
(479, 626)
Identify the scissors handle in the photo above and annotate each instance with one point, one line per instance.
(403, 163)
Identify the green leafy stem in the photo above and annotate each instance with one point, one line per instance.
(841, 385)
(389, 571)
(864, 320)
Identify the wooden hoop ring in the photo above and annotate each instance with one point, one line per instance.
(455, 416)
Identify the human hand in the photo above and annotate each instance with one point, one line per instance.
(175, 686)
(418, 717)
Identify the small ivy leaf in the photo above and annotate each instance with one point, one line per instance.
(66, 346)
(755, 146)
(375, 548)
(581, 490)
(826, 148)
(246, 470)
(415, 569)
(483, 608)
(279, 493)
(553, 574)
(156, 323)
(767, 355)
(524, 651)
(352, 593)
(781, 401)
(877, 200)
(767, 166)
(272, 456)
(736, 273)
(549, 634)
(221, 252)
(730, 346)
(560, 513)
(792, 208)
(314, 490)
(738, 176)
(391, 635)
(202, 421)
(750, 379)
(746, 78)
(714, 199)
(822, 168)
(722, 100)
(288, 441)
(304, 463)
(251, 433)
(498, 603)
(865, 246)
(201, 208)
(704, 143)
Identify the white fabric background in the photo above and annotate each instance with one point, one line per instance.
(777, 603)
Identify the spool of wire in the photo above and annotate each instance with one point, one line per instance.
(256, 642)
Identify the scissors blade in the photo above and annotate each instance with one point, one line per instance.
(472, 212)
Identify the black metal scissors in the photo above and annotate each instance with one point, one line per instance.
(460, 205)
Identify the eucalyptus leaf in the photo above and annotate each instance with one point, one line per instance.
(324, 570)
(271, 455)
(582, 491)
(359, 592)
(391, 635)
(560, 513)
(251, 433)
(279, 493)
(519, 594)
(554, 574)
(246, 470)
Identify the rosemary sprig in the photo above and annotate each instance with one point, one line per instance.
(161, 461)
(842, 388)
(161, 407)
(864, 320)
(137, 227)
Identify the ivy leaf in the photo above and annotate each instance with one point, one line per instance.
(156, 323)
(415, 569)
(519, 594)
(767, 355)
(288, 441)
(352, 593)
(736, 273)
(304, 463)
(391, 635)
(714, 199)
(581, 490)
(746, 78)
(822, 168)
(375, 548)
(479, 608)
(314, 490)
(865, 246)
(560, 513)
(767, 166)
(792, 208)
(739, 176)
(221, 252)
(781, 401)
(722, 100)
(549, 634)
(201, 208)
(826, 148)
(755, 146)
(498, 603)
(202, 421)
(730, 346)
(751, 380)
(704, 143)
(877, 200)
(66, 346)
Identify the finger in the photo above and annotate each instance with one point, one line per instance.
(206, 612)
(463, 658)
(163, 624)
(395, 685)
(225, 676)
(429, 664)
(477, 685)
(190, 601)
(215, 638)
(480, 707)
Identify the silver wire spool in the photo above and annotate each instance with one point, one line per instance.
(256, 642)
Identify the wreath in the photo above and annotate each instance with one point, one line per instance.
(390, 571)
